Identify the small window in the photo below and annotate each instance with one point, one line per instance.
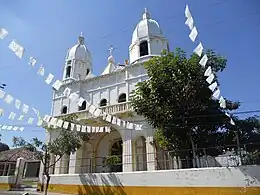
(143, 48)
(87, 72)
(122, 98)
(68, 71)
(69, 62)
(103, 102)
(83, 106)
(64, 110)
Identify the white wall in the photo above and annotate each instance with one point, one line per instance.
(203, 177)
(102, 87)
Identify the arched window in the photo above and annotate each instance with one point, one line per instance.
(83, 106)
(87, 72)
(64, 110)
(103, 102)
(68, 71)
(143, 48)
(122, 98)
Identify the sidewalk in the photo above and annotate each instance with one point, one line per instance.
(30, 193)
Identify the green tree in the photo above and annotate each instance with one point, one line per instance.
(177, 102)
(3, 146)
(66, 143)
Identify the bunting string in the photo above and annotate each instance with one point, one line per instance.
(209, 74)
(19, 50)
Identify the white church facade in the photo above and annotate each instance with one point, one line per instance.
(110, 92)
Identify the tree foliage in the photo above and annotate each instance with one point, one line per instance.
(177, 102)
(3, 146)
(67, 142)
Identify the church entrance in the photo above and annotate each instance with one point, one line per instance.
(115, 159)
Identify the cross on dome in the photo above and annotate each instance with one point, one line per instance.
(81, 34)
(81, 39)
(146, 14)
(111, 49)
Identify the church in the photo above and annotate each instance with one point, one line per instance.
(128, 150)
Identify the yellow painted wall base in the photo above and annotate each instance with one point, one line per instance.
(133, 190)
(5, 186)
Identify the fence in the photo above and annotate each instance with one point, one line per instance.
(227, 156)
(7, 168)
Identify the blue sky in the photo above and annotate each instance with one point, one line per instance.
(48, 28)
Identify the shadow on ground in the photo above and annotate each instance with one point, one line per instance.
(91, 185)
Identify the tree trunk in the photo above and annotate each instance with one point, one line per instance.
(47, 184)
(194, 153)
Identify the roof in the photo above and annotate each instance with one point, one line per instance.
(14, 154)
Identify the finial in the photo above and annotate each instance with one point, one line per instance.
(146, 14)
(111, 49)
(81, 39)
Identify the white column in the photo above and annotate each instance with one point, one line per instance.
(127, 152)
(150, 151)
(57, 167)
(75, 165)
(20, 163)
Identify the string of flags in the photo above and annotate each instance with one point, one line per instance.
(47, 120)
(19, 50)
(209, 74)
(11, 128)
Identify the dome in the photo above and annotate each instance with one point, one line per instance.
(146, 27)
(79, 51)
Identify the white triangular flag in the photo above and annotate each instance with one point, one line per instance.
(66, 125)
(92, 109)
(104, 116)
(203, 60)
(138, 127)
(213, 86)
(2, 94)
(80, 101)
(107, 129)
(210, 78)
(72, 126)
(3, 33)
(78, 128)
(67, 92)
(101, 129)
(193, 34)
(97, 129)
(32, 61)
(187, 12)
(40, 122)
(35, 111)
(8, 99)
(4, 127)
(124, 123)
(114, 120)
(41, 71)
(17, 49)
(46, 118)
(9, 128)
(189, 22)
(49, 78)
(53, 121)
(17, 104)
(97, 112)
(93, 129)
(84, 128)
(73, 97)
(208, 71)
(30, 120)
(59, 123)
(21, 117)
(12, 116)
(88, 129)
(109, 118)
(118, 122)
(21, 128)
(198, 50)
(130, 125)
(25, 108)
(15, 128)
(222, 102)
(216, 94)
(57, 84)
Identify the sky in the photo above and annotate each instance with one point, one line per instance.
(48, 28)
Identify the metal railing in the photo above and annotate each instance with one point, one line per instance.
(164, 160)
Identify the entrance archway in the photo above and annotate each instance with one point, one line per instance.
(116, 152)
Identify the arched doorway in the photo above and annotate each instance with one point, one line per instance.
(115, 158)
